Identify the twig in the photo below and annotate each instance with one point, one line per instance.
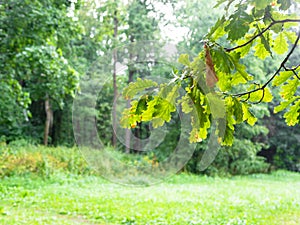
(282, 65)
(262, 32)
(293, 70)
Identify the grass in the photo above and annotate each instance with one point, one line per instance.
(183, 199)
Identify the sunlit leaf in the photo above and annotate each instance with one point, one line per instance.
(247, 115)
(290, 35)
(292, 116)
(260, 50)
(282, 77)
(284, 104)
(280, 44)
(228, 137)
(184, 59)
(135, 87)
(217, 30)
(288, 90)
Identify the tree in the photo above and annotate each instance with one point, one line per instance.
(262, 28)
(35, 53)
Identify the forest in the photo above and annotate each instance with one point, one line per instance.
(188, 95)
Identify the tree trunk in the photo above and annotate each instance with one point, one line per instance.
(130, 79)
(49, 115)
(114, 113)
(128, 131)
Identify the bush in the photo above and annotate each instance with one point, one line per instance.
(20, 158)
(239, 159)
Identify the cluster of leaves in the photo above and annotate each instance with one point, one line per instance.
(263, 28)
(267, 29)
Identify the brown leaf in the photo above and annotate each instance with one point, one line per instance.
(211, 77)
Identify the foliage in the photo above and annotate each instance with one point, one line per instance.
(13, 108)
(35, 43)
(47, 45)
(253, 30)
(240, 158)
(21, 158)
(284, 146)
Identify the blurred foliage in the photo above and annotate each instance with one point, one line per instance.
(48, 45)
(21, 158)
(240, 158)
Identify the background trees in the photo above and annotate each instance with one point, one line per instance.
(47, 46)
(36, 46)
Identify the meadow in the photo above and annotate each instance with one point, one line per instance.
(182, 199)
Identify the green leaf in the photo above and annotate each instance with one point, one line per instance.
(228, 137)
(291, 117)
(244, 50)
(263, 95)
(283, 105)
(129, 118)
(135, 87)
(291, 36)
(184, 59)
(195, 136)
(238, 110)
(237, 78)
(222, 60)
(261, 4)
(225, 84)
(239, 24)
(265, 40)
(288, 90)
(241, 69)
(229, 102)
(280, 44)
(282, 77)
(157, 122)
(173, 94)
(248, 116)
(186, 104)
(142, 105)
(284, 4)
(268, 97)
(164, 110)
(277, 28)
(147, 114)
(260, 50)
(198, 134)
(217, 30)
(216, 105)
(158, 109)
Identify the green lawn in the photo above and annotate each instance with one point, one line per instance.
(183, 199)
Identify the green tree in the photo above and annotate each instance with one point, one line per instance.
(265, 28)
(35, 43)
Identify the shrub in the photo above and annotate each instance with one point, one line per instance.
(19, 158)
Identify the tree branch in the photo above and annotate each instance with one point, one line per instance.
(293, 70)
(282, 65)
(262, 32)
